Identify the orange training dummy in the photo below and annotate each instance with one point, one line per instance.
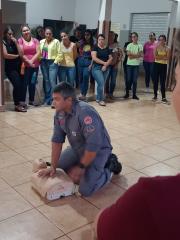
(51, 188)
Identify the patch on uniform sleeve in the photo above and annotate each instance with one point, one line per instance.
(88, 120)
(90, 129)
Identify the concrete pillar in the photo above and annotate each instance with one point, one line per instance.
(1, 70)
(174, 25)
(104, 22)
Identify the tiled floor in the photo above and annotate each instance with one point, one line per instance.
(145, 136)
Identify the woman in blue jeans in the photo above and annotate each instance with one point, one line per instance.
(84, 62)
(67, 69)
(50, 57)
(30, 66)
(117, 56)
(102, 58)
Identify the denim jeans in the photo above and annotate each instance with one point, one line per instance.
(149, 70)
(84, 74)
(67, 74)
(111, 81)
(49, 71)
(133, 72)
(29, 80)
(101, 78)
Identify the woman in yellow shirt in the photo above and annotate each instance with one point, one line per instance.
(67, 69)
(50, 57)
(161, 55)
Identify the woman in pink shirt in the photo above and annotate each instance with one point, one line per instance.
(148, 61)
(30, 66)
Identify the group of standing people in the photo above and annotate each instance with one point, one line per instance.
(59, 60)
(155, 55)
(76, 60)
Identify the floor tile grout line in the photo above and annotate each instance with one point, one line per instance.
(49, 219)
(6, 219)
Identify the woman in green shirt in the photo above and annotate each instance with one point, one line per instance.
(134, 52)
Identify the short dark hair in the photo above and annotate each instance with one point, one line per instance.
(163, 36)
(65, 90)
(101, 35)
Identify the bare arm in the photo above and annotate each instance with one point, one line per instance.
(36, 56)
(95, 59)
(133, 56)
(55, 155)
(109, 61)
(75, 51)
(157, 57)
(7, 55)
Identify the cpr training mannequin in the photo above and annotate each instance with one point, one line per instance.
(51, 188)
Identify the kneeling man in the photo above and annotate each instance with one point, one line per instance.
(89, 160)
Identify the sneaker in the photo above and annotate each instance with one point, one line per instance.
(135, 97)
(82, 97)
(165, 101)
(111, 97)
(97, 101)
(154, 99)
(102, 103)
(33, 104)
(24, 105)
(126, 96)
(20, 108)
(113, 165)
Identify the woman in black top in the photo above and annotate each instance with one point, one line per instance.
(12, 53)
(102, 58)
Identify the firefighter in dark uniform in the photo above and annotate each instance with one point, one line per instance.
(89, 160)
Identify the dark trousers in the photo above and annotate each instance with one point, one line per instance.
(132, 76)
(29, 81)
(160, 71)
(111, 81)
(148, 67)
(16, 80)
(125, 73)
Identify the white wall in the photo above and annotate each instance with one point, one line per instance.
(87, 12)
(122, 12)
(37, 10)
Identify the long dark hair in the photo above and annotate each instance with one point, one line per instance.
(6, 30)
(91, 42)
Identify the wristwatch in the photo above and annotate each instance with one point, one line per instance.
(81, 165)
